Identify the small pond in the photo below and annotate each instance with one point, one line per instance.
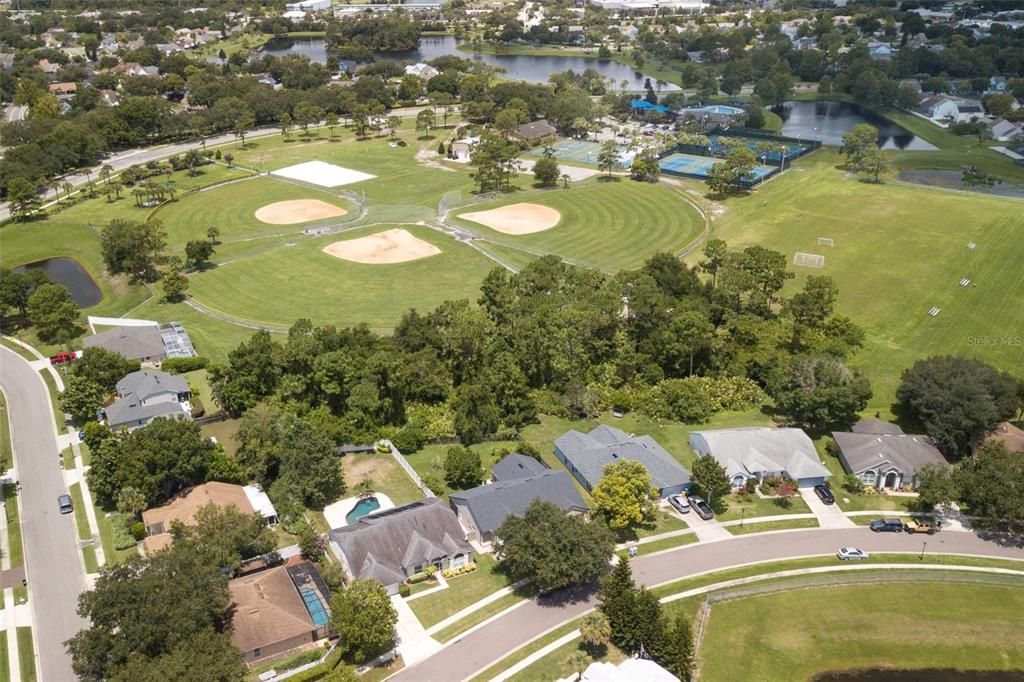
(365, 506)
(68, 273)
(534, 69)
(829, 121)
(928, 675)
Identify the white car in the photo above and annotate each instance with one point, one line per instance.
(850, 553)
(680, 503)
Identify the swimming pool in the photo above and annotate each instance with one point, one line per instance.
(365, 506)
(721, 109)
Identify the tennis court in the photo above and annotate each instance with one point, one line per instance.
(582, 151)
(690, 165)
(793, 150)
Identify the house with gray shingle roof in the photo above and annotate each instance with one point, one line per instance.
(389, 546)
(882, 456)
(760, 452)
(146, 395)
(586, 455)
(483, 509)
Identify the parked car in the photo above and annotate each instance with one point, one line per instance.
(702, 508)
(64, 504)
(824, 494)
(920, 526)
(62, 357)
(851, 553)
(680, 503)
(887, 526)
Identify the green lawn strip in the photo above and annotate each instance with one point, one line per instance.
(479, 616)
(462, 591)
(382, 474)
(5, 669)
(560, 662)
(751, 506)
(51, 388)
(15, 549)
(86, 455)
(796, 634)
(787, 524)
(81, 520)
(23, 352)
(26, 654)
(68, 457)
(6, 453)
(20, 594)
(91, 564)
(659, 545)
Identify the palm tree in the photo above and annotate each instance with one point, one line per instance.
(565, 180)
(595, 630)
(68, 188)
(105, 172)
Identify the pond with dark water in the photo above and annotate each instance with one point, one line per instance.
(70, 274)
(928, 675)
(829, 121)
(534, 69)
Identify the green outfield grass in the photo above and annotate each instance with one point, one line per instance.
(899, 250)
(793, 635)
(611, 225)
(232, 209)
(285, 284)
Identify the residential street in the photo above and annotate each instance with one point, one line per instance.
(479, 649)
(52, 559)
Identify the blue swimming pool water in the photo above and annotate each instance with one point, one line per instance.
(315, 607)
(722, 109)
(365, 506)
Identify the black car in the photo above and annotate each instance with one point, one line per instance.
(824, 494)
(702, 508)
(64, 504)
(887, 526)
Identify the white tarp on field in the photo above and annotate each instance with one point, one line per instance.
(322, 174)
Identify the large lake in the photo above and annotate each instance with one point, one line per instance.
(520, 67)
(829, 121)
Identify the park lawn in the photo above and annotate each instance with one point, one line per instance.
(26, 654)
(224, 432)
(794, 635)
(6, 453)
(232, 207)
(899, 250)
(15, 550)
(752, 506)
(382, 474)
(462, 591)
(301, 281)
(609, 225)
(789, 524)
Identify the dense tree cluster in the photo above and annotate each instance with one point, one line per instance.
(986, 484)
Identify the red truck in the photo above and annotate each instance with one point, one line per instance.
(62, 357)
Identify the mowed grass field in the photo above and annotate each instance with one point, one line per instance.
(232, 209)
(794, 635)
(900, 249)
(606, 225)
(278, 286)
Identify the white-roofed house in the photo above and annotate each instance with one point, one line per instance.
(260, 502)
(760, 452)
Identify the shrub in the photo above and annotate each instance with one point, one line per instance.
(123, 537)
(853, 484)
(420, 577)
(217, 155)
(404, 590)
(138, 531)
(409, 439)
(750, 486)
(182, 365)
(435, 483)
(462, 570)
(198, 409)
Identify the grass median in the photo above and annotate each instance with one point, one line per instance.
(15, 551)
(786, 524)
(81, 520)
(26, 654)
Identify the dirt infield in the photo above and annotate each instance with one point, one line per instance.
(516, 218)
(391, 246)
(298, 211)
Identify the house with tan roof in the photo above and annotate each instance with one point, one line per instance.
(1009, 435)
(248, 499)
(278, 610)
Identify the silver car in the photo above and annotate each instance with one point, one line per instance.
(680, 503)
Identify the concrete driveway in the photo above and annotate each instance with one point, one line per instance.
(706, 531)
(828, 515)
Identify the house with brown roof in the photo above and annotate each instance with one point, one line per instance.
(278, 610)
(1009, 435)
(63, 88)
(184, 507)
(536, 132)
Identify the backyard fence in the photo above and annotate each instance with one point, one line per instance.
(398, 457)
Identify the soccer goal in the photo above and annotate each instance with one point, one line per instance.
(825, 241)
(809, 260)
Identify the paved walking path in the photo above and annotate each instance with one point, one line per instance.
(14, 664)
(414, 644)
(476, 606)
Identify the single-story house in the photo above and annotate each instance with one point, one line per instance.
(483, 509)
(146, 395)
(150, 344)
(514, 466)
(629, 670)
(59, 89)
(461, 150)
(760, 452)
(882, 456)
(536, 132)
(1008, 434)
(184, 507)
(422, 71)
(939, 107)
(586, 455)
(880, 51)
(1003, 130)
(997, 84)
(278, 610)
(48, 67)
(389, 546)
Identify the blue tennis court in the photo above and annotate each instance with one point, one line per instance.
(694, 166)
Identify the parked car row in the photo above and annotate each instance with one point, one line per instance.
(899, 526)
(683, 504)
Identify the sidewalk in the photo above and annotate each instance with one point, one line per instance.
(414, 643)
(828, 515)
(10, 613)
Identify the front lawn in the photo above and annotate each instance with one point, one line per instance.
(462, 591)
(787, 524)
(663, 522)
(752, 506)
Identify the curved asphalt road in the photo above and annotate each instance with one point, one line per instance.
(481, 648)
(52, 559)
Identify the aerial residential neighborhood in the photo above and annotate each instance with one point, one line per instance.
(608, 340)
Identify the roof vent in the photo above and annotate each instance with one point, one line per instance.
(253, 612)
